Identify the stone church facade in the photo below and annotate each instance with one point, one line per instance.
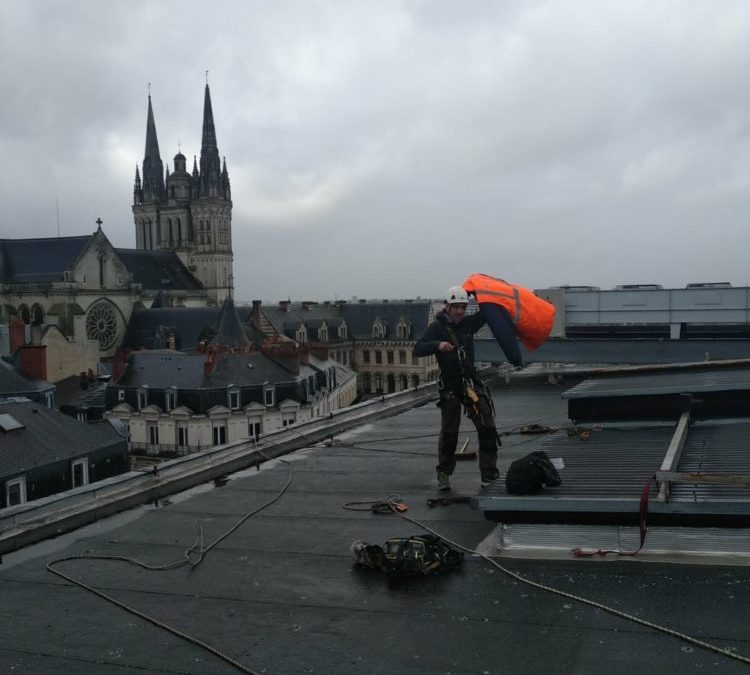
(188, 213)
(75, 295)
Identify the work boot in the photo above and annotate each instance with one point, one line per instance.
(443, 481)
(489, 478)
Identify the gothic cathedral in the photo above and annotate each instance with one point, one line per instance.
(190, 214)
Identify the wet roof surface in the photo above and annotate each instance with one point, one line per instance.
(663, 383)
(280, 594)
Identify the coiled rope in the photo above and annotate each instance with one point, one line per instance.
(192, 556)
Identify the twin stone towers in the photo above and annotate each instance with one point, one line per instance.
(189, 214)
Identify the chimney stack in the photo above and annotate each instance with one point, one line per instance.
(16, 334)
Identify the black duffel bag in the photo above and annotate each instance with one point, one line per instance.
(528, 475)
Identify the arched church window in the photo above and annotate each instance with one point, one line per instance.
(23, 312)
(37, 315)
(102, 260)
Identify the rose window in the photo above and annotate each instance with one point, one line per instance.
(101, 324)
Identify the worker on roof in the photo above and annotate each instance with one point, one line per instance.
(451, 339)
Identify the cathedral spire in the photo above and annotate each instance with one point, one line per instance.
(137, 192)
(152, 143)
(153, 169)
(226, 189)
(209, 132)
(210, 165)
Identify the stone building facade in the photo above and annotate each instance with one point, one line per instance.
(375, 339)
(227, 388)
(188, 213)
(75, 295)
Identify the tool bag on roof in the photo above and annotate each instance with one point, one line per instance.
(528, 475)
(403, 556)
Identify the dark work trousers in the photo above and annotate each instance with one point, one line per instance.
(451, 409)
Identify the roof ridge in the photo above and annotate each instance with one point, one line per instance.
(71, 237)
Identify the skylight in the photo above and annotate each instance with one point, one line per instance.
(9, 423)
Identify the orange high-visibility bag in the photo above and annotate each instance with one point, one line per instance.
(532, 317)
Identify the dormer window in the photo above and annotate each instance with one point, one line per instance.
(323, 332)
(378, 329)
(142, 397)
(170, 398)
(301, 335)
(233, 397)
(343, 331)
(403, 329)
(15, 491)
(269, 395)
(120, 394)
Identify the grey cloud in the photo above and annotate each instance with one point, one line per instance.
(389, 149)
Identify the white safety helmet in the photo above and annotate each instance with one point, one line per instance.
(456, 295)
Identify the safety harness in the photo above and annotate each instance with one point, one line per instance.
(469, 380)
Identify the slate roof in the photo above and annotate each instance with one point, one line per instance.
(286, 322)
(230, 332)
(235, 369)
(15, 383)
(71, 396)
(360, 317)
(24, 261)
(190, 325)
(48, 436)
(158, 269)
(162, 369)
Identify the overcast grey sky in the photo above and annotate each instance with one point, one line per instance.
(388, 149)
